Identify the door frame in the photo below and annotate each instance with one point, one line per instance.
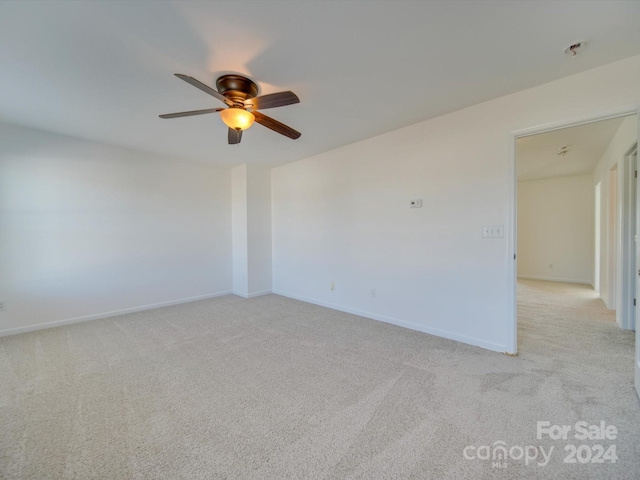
(597, 241)
(614, 241)
(636, 361)
(511, 337)
(628, 213)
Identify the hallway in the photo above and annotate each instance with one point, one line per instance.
(569, 322)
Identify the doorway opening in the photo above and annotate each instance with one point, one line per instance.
(570, 223)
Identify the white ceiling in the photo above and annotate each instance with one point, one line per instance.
(104, 70)
(537, 157)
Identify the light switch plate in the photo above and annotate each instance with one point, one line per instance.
(493, 231)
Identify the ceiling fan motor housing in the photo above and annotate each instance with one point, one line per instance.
(236, 87)
(240, 95)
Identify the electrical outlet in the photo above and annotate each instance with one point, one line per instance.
(416, 203)
(1, 305)
(372, 292)
(333, 285)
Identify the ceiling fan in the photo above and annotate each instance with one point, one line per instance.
(240, 95)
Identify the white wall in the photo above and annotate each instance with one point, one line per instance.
(344, 215)
(555, 229)
(613, 157)
(251, 187)
(87, 229)
(259, 229)
(239, 229)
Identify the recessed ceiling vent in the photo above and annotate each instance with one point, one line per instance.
(575, 49)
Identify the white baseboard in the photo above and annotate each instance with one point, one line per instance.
(551, 279)
(259, 294)
(114, 313)
(252, 295)
(401, 323)
(381, 318)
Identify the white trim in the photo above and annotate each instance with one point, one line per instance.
(626, 244)
(252, 295)
(636, 267)
(259, 294)
(401, 323)
(559, 125)
(511, 331)
(636, 319)
(114, 313)
(551, 279)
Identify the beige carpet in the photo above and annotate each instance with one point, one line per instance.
(273, 388)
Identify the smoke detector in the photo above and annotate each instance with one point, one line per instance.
(575, 48)
(562, 151)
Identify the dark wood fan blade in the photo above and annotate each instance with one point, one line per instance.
(192, 112)
(204, 88)
(272, 100)
(234, 136)
(276, 126)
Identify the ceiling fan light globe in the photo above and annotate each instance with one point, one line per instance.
(237, 118)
